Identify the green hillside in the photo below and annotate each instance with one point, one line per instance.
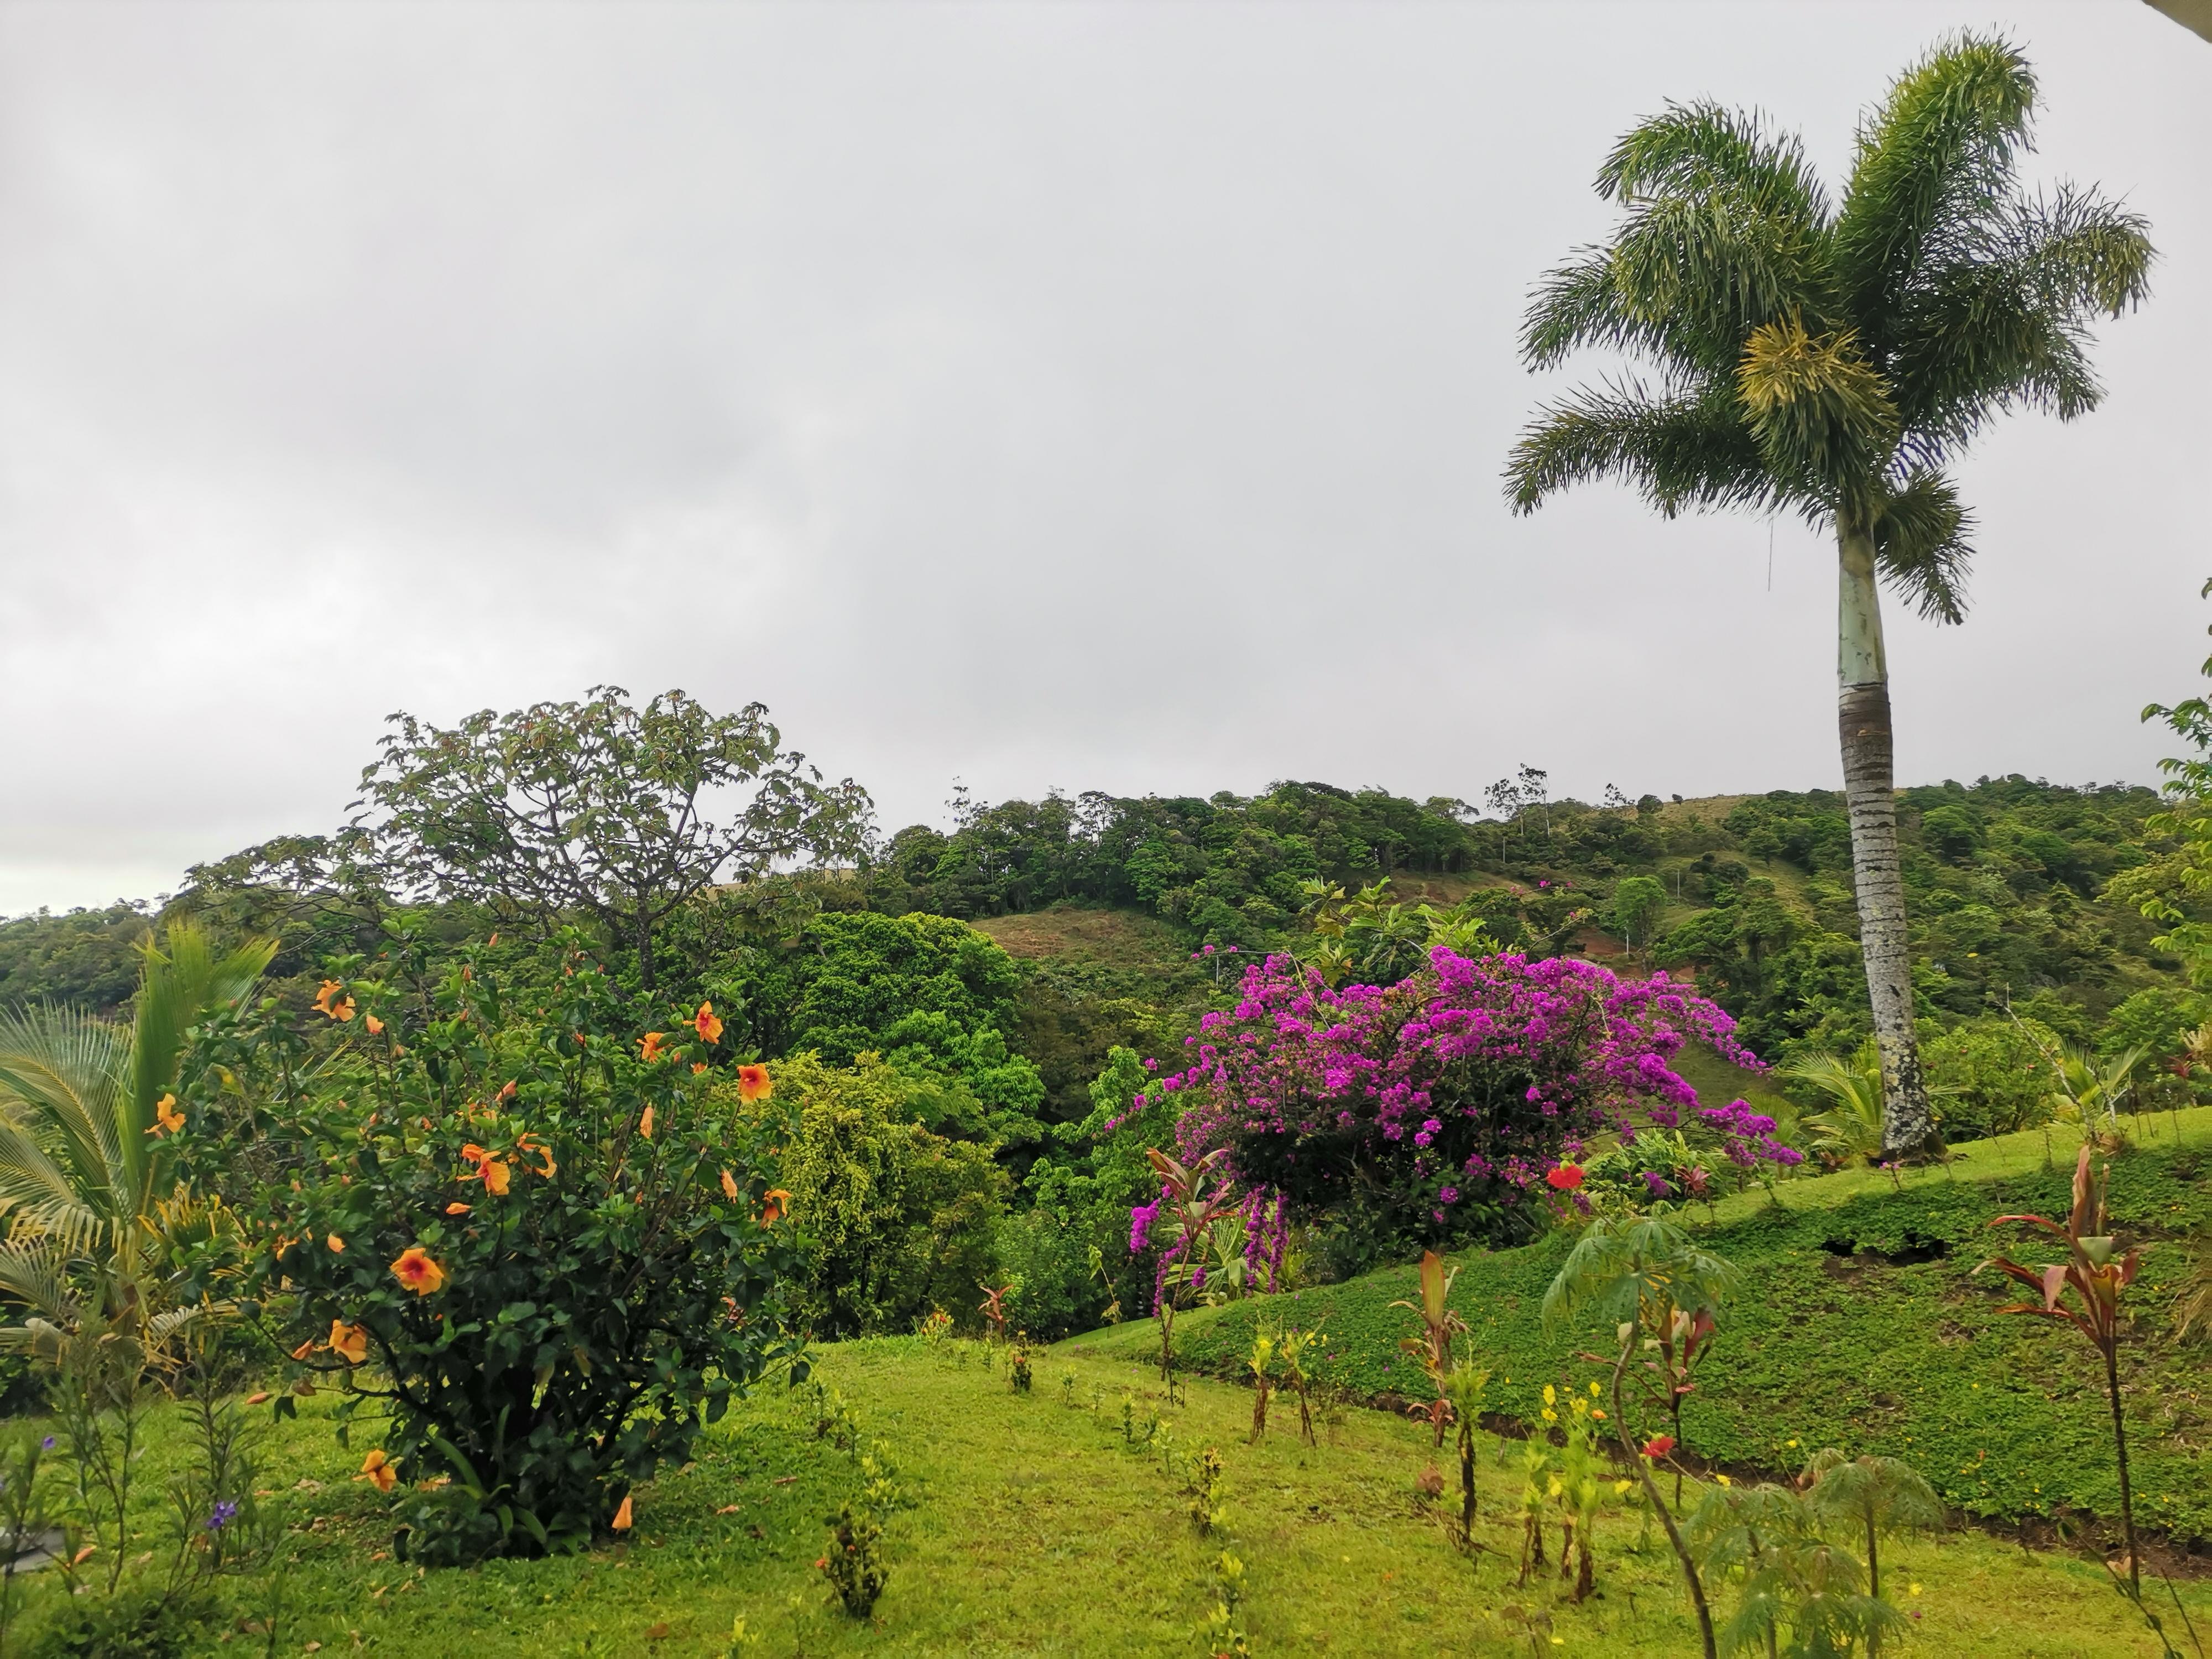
(1862, 1323)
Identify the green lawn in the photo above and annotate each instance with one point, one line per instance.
(1038, 1530)
(1862, 1324)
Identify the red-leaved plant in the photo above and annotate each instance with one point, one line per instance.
(2095, 1272)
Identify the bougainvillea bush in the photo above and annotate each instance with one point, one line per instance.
(1423, 1112)
(530, 1237)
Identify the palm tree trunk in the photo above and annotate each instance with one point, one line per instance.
(1908, 1127)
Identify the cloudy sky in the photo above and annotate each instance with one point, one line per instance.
(1036, 394)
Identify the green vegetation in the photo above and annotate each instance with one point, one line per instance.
(1866, 1311)
(1037, 1526)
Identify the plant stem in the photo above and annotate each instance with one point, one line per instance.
(2120, 1446)
(1651, 1492)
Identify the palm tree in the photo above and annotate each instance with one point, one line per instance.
(1833, 360)
(87, 1178)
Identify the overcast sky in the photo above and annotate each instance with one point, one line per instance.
(1102, 396)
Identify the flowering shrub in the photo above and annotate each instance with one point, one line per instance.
(534, 1241)
(1748, 1139)
(1436, 1102)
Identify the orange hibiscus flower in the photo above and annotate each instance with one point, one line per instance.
(457, 1209)
(776, 1204)
(336, 1244)
(375, 1026)
(326, 999)
(709, 1027)
(415, 1270)
(729, 1185)
(376, 1469)
(533, 1144)
(645, 1124)
(621, 1520)
(649, 1045)
(168, 1120)
(349, 1342)
(754, 1083)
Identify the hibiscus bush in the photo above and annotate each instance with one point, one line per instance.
(529, 1239)
(1424, 1111)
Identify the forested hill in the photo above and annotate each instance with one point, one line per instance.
(2011, 886)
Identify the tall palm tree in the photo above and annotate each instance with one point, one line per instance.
(1833, 359)
(87, 1177)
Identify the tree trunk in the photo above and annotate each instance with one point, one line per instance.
(1908, 1127)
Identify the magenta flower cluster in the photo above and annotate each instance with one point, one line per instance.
(1465, 1080)
(1747, 1137)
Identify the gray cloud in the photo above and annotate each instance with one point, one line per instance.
(1107, 397)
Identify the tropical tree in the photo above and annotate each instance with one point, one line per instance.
(1832, 360)
(87, 1113)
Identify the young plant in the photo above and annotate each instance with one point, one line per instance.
(1792, 1578)
(1874, 1496)
(2095, 1274)
(1017, 1365)
(1537, 1480)
(1579, 1490)
(22, 1515)
(1262, 1363)
(854, 1563)
(1466, 1389)
(1291, 1347)
(1640, 1273)
(993, 1308)
(1190, 1210)
(1209, 1494)
(1432, 1347)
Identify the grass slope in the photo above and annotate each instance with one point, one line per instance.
(1862, 1324)
(1039, 1528)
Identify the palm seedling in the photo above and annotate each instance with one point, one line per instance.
(1467, 1388)
(1833, 359)
(2095, 1274)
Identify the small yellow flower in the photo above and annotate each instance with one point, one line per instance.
(1723, 1479)
(1551, 1395)
(1913, 1588)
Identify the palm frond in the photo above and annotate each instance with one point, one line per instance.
(1934, 162)
(1700, 149)
(1687, 450)
(35, 1273)
(61, 1075)
(2004, 323)
(1920, 545)
(178, 985)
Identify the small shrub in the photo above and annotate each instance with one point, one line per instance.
(854, 1564)
(1209, 1494)
(1017, 1367)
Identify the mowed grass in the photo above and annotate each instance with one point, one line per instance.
(1038, 1527)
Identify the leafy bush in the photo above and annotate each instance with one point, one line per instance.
(543, 1246)
(1994, 1076)
(899, 1221)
